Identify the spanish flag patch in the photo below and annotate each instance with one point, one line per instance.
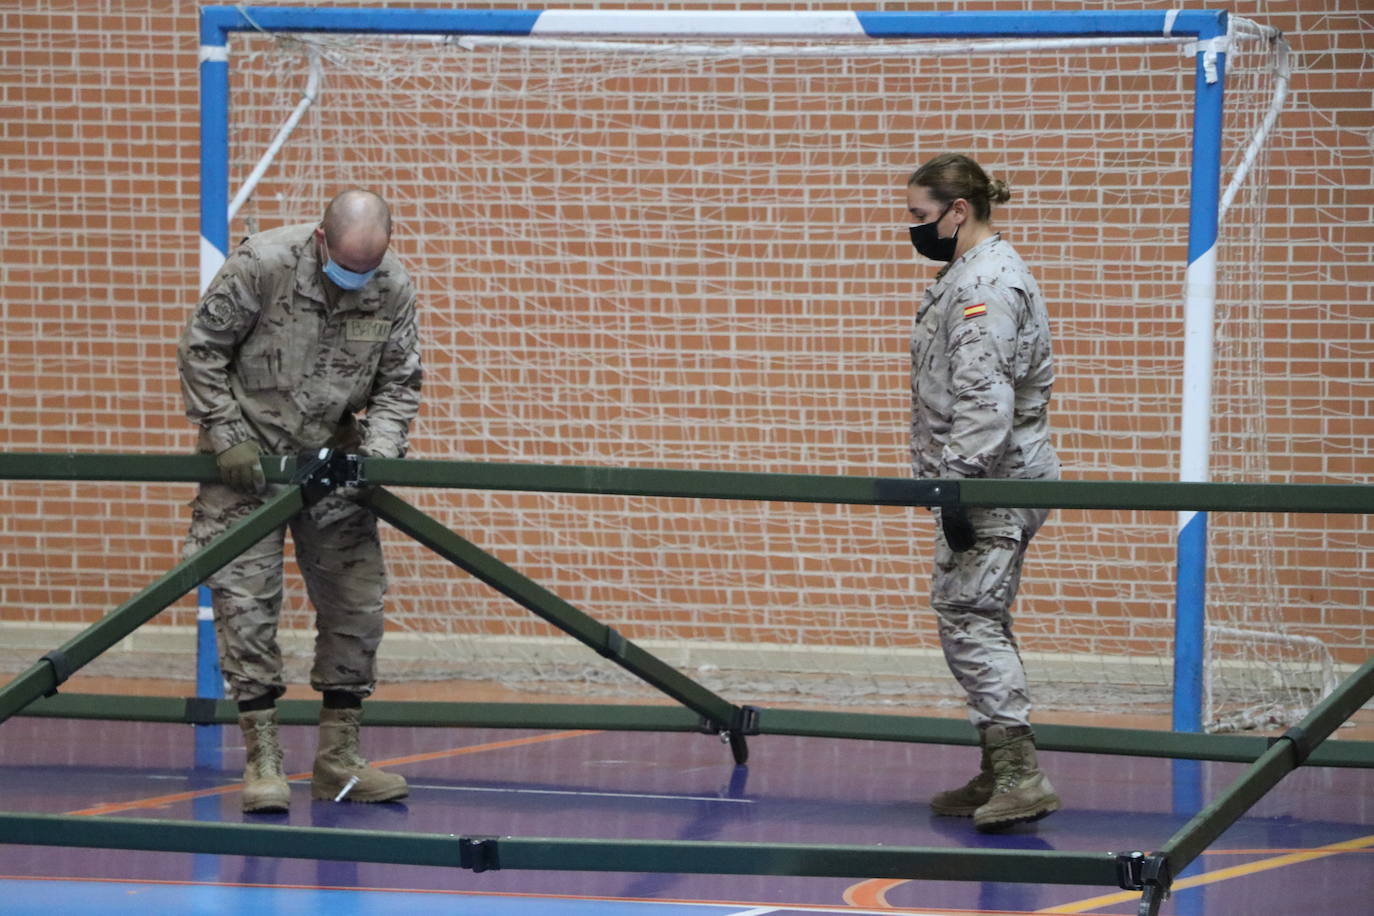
(973, 311)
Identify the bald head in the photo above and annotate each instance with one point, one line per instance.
(357, 229)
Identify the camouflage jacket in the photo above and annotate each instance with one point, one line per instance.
(266, 357)
(981, 371)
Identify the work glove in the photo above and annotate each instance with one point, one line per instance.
(959, 532)
(240, 467)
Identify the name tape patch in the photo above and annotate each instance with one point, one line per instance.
(366, 329)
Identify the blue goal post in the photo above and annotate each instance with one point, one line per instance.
(1207, 29)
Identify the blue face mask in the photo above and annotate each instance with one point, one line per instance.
(342, 277)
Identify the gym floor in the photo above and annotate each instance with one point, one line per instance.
(1305, 848)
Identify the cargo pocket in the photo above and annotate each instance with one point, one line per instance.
(982, 580)
(293, 357)
(997, 523)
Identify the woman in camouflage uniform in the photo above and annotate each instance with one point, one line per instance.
(981, 373)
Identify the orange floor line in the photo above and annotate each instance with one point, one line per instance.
(871, 894)
(161, 801)
(1359, 844)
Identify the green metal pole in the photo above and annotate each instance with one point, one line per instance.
(821, 488)
(130, 468)
(658, 718)
(601, 638)
(1084, 739)
(77, 652)
(577, 854)
(1181, 497)
(817, 488)
(910, 862)
(409, 714)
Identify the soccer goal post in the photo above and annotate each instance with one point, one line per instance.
(675, 239)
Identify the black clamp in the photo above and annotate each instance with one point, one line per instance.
(61, 669)
(1130, 868)
(1137, 871)
(896, 491)
(744, 721)
(1157, 871)
(200, 711)
(479, 853)
(320, 472)
(1302, 745)
(613, 646)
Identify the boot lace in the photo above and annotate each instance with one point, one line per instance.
(1010, 769)
(267, 753)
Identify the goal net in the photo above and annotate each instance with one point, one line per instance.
(693, 254)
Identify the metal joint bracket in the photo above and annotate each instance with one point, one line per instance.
(61, 669)
(744, 721)
(320, 472)
(479, 853)
(1302, 746)
(199, 711)
(614, 646)
(898, 492)
(1156, 873)
(1130, 868)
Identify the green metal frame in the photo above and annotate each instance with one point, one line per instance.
(640, 718)
(34, 692)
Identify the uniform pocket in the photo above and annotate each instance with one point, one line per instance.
(258, 372)
(294, 356)
(996, 523)
(982, 580)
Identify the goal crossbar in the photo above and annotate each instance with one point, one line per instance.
(218, 21)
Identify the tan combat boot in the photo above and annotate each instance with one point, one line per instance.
(339, 762)
(1021, 792)
(969, 797)
(264, 781)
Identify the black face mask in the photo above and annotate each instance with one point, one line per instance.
(927, 241)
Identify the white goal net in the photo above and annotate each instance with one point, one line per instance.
(695, 256)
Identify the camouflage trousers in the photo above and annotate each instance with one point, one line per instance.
(340, 558)
(972, 594)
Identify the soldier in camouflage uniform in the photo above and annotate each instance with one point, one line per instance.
(981, 373)
(302, 329)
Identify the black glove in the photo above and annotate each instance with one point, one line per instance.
(959, 532)
(348, 437)
(240, 467)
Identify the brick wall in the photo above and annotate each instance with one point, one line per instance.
(98, 152)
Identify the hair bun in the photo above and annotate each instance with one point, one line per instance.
(998, 192)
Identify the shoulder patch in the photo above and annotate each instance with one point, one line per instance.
(217, 312)
(973, 311)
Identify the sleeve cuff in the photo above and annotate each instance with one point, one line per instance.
(228, 435)
(377, 444)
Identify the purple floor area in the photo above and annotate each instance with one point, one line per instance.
(636, 785)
